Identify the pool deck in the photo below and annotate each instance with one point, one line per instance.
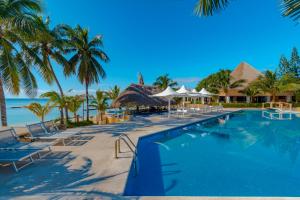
(90, 171)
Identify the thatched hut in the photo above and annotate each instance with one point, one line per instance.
(137, 95)
(249, 74)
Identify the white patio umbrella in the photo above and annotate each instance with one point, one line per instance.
(205, 93)
(168, 93)
(194, 91)
(185, 93)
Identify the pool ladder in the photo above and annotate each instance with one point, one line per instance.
(130, 144)
(277, 115)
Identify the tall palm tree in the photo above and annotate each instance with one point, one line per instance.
(271, 83)
(164, 81)
(56, 101)
(291, 8)
(50, 45)
(224, 81)
(74, 103)
(252, 90)
(85, 60)
(100, 102)
(40, 110)
(17, 17)
(114, 92)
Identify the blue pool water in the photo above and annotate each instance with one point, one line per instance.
(242, 154)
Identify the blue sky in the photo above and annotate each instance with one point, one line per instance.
(155, 37)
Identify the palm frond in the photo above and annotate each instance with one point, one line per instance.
(291, 8)
(209, 7)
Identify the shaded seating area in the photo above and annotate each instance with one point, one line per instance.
(140, 96)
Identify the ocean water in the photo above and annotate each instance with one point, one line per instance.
(242, 154)
(22, 116)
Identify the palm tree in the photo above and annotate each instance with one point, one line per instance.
(74, 103)
(114, 92)
(85, 61)
(39, 110)
(164, 81)
(224, 81)
(252, 90)
(271, 83)
(100, 102)
(56, 101)
(291, 8)
(50, 44)
(16, 17)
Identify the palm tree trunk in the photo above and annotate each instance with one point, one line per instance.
(273, 97)
(3, 105)
(87, 101)
(61, 115)
(61, 94)
(75, 117)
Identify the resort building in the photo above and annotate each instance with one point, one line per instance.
(249, 74)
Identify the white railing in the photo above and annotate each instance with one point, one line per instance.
(280, 115)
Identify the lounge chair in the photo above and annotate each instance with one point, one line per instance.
(10, 140)
(17, 155)
(13, 151)
(47, 131)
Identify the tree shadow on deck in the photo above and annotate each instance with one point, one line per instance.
(53, 178)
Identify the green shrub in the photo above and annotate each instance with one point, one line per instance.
(78, 124)
(241, 105)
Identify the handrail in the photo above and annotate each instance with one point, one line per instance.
(272, 115)
(132, 148)
(124, 135)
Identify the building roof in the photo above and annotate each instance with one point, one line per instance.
(246, 72)
(139, 95)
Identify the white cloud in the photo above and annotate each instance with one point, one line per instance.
(187, 80)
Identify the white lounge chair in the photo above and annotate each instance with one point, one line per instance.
(44, 131)
(10, 140)
(14, 151)
(14, 156)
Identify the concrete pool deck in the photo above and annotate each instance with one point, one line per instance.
(90, 171)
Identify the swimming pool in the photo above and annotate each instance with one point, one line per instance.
(241, 154)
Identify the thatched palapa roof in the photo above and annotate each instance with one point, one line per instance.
(139, 95)
(245, 72)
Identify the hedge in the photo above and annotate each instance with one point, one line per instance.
(241, 105)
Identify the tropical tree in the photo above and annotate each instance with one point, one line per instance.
(291, 8)
(251, 91)
(289, 66)
(224, 81)
(221, 81)
(50, 45)
(271, 83)
(85, 60)
(16, 16)
(56, 101)
(114, 92)
(164, 81)
(74, 103)
(40, 110)
(100, 102)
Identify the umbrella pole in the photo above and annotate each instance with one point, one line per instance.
(169, 107)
